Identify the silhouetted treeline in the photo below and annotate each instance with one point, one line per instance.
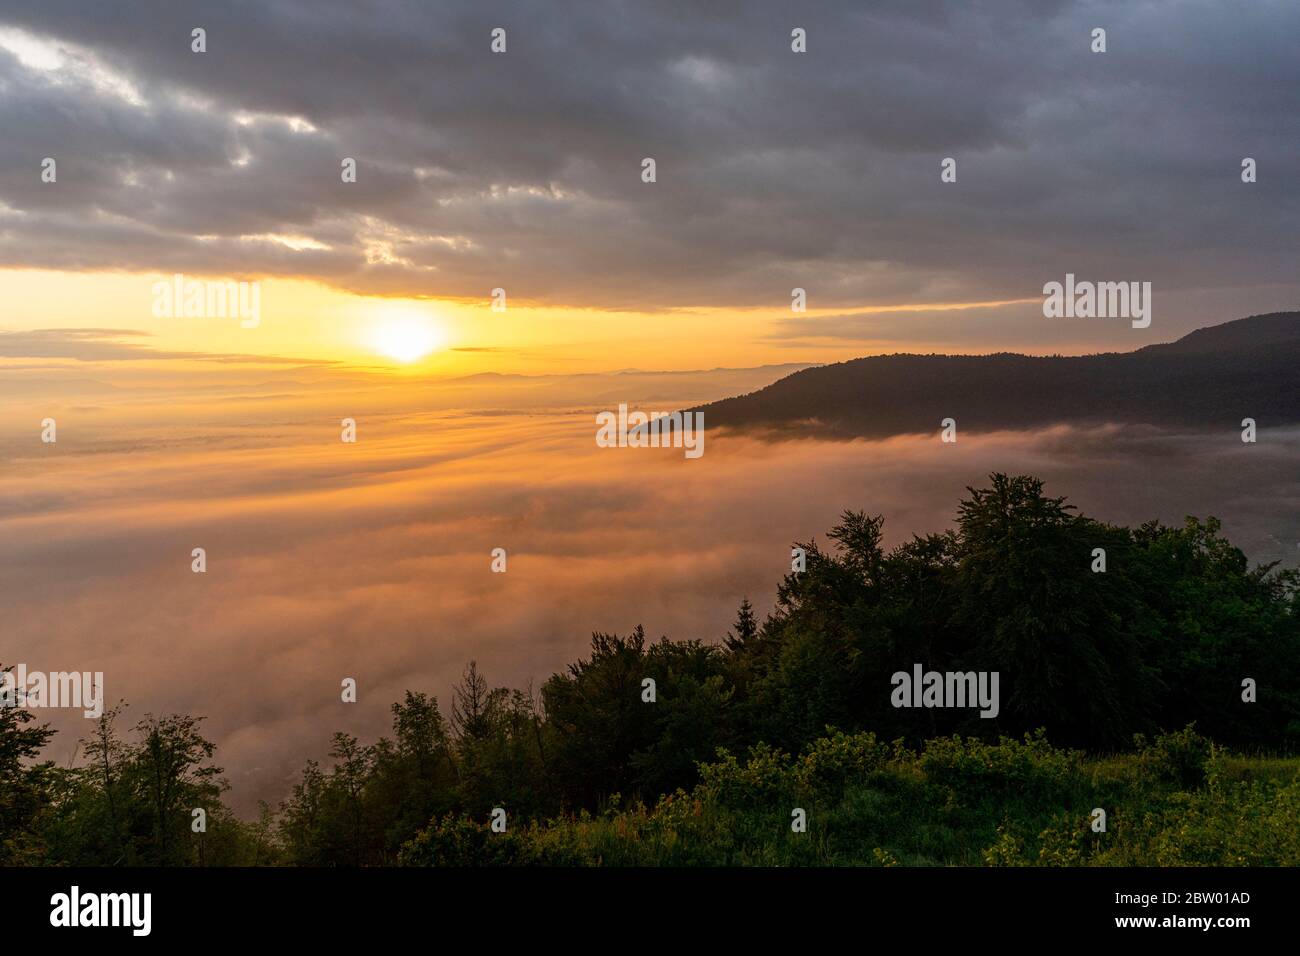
(1165, 636)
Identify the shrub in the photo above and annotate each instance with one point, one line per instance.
(976, 771)
(1180, 759)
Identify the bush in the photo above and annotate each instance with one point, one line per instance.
(976, 771)
(458, 841)
(1180, 759)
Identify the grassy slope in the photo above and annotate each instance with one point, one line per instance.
(1176, 802)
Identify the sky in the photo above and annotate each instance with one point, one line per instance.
(521, 171)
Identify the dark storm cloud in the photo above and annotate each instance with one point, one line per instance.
(775, 170)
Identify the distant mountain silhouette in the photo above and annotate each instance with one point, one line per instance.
(1211, 378)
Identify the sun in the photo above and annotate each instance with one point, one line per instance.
(406, 336)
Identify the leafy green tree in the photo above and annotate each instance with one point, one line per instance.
(171, 777)
(1071, 645)
(345, 807)
(25, 786)
(597, 719)
(301, 823)
(415, 776)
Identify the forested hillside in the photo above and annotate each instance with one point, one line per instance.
(1209, 379)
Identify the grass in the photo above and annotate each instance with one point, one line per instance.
(1178, 801)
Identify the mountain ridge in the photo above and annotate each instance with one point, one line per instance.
(1212, 377)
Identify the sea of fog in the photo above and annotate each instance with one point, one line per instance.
(372, 559)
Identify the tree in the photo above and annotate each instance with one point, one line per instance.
(168, 767)
(470, 704)
(1072, 646)
(745, 630)
(24, 786)
(347, 782)
(598, 720)
(301, 824)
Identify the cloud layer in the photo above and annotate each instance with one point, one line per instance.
(775, 169)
